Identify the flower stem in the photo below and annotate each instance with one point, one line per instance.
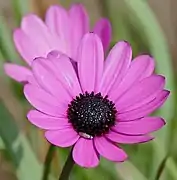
(47, 163)
(67, 168)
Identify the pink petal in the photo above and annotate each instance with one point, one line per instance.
(38, 32)
(63, 138)
(17, 72)
(127, 139)
(90, 65)
(140, 126)
(47, 80)
(109, 150)
(53, 54)
(43, 101)
(145, 65)
(103, 30)
(116, 65)
(45, 121)
(57, 19)
(32, 80)
(66, 74)
(145, 109)
(23, 44)
(141, 93)
(56, 54)
(140, 68)
(79, 24)
(84, 153)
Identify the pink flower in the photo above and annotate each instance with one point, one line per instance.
(98, 106)
(61, 31)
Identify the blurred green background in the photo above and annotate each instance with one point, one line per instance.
(151, 27)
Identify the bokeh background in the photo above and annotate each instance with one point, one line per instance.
(151, 27)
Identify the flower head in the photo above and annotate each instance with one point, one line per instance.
(62, 30)
(98, 105)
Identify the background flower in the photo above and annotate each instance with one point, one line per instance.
(62, 30)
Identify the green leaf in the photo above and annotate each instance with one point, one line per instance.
(128, 171)
(161, 168)
(27, 166)
(21, 8)
(2, 146)
(6, 43)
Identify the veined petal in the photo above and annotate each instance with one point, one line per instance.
(23, 42)
(140, 126)
(90, 159)
(109, 150)
(57, 19)
(47, 122)
(145, 109)
(63, 138)
(38, 32)
(127, 139)
(141, 93)
(90, 62)
(116, 65)
(44, 102)
(66, 74)
(46, 78)
(141, 67)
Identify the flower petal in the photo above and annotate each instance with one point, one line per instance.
(84, 153)
(127, 139)
(43, 101)
(116, 65)
(17, 72)
(66, 74)
(53, 54)
(141, 93)
(32, 80)
(23, 42)
(47, 122)
(47, 80)
(103, 30)
(63, 138)
(90, 65)
(79, 24)
(145, 109)
(140, 126)
(109, 150)
(140, 68)
(38, 32)
(57, 19)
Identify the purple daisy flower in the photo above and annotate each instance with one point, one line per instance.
(61, 31)
(99, 105)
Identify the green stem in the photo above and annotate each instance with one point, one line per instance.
(161, 168)
(48, 161)
(67, 168)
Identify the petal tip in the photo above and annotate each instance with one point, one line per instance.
(146, 139)
(167, 92)
(162, 122)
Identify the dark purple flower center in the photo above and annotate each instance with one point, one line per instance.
(91, 114)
